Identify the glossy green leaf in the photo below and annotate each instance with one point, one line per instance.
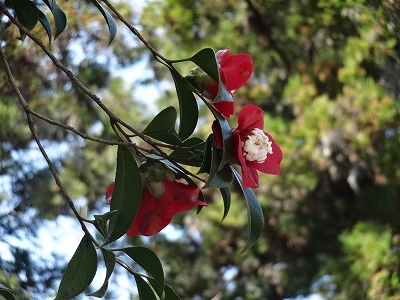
(127, 194)
(227, 138)
(190, 157)
(226, 196)
(45, 23)
(206, 60)
(80, 270)
(188, 110)
(60, 19)
(162, 127)
(109, 260)
(206, 163)
(144, 289)
(150, 262)
(112, 25)
(218, 178)
(7, 293)
(223, 94)
(254, 214)
(170, 294)
(27, 13)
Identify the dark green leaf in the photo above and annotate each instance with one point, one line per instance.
(102, 222)
(127, 194)
(80, 270)
(60, 20)
(190, 157)
(162, 127)
(188, 110)
(218, 178)
(27, 13)
(223, 94)
(45, 23)
(112, 25)
(254, 214)
(206, 60)
(7, 293)
(206, 163)
(227, 138)
(226, 196)
(170, 294)
(144, 289)
(109, 260)
(150, 262)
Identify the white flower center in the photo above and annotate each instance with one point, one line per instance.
(257, 146)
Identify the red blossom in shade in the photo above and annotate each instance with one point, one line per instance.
(255, 150)
(155, 213)
(234, 70)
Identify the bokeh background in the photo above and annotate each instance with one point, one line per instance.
(327, 74)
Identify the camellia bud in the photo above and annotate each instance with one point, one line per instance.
(153, 170)
(156, 188)
(199, 79)
(169, 175)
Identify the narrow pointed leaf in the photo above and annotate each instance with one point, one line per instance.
(7, 293)
(206, 163)
(162, 127)
(188, 110)
(191, 158)
(27, 13)
(109, 260)
(127, 194)
(218, 178)
(226, 196)
(112, 25)
(80, 270)
(206, 60)
(102, 222)
(254, 214)
(60, 19)
(170, 294)
(144, 289)
(149, 261)
(45, 23)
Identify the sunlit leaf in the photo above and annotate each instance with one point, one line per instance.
(150, 262)
(162, 127)
(80, 270)
(127, 194)
(206, 60)
(188, 110)
(7, 293)
(109, 260)
(144, 289)
(254, 214)
(112, 25)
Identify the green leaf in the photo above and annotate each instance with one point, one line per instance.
(254, 214)
(60, 19)
(127, 194)
(226, 196)
(7, 293)
(102, 222)
(218, 178)
(45, 23)
(27, 13)
(206, 163)
(80, 270)
(109, 260)
(150, 262)
(227, 138)
(188, 110)
(170, 294)
(162, 127)
(190, 157)
(144, 289)
(112, 25)
(206, 60)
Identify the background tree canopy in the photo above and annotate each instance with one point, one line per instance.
(327, 74)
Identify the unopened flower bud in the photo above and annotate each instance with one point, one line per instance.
(156, 188)
(169, 175)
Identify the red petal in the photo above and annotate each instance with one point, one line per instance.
(216, 129)
(153, 223)
(222, 55)
(250, 117)
(109, 193)
(212, 89)
(146, 205)
(225, 108)
(236, 70)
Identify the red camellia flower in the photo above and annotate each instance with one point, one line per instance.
(234, 70)
(155, 213)
(255, 150)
